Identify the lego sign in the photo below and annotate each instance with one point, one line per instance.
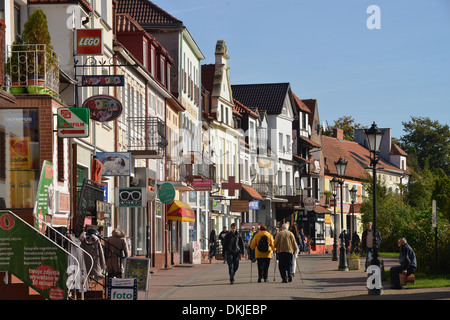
(88, 42)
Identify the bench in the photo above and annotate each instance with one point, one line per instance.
(406, 279)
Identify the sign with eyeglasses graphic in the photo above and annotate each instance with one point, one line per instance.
(131, 197)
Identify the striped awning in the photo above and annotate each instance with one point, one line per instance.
(180, 211)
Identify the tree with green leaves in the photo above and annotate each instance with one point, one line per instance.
(427, 141)
(347, 124)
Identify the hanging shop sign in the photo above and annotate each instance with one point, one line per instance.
(310, 204)
(32, 257)
(202, 185)
(253, 205)
(103, 108)
(239, 205)
(166, 193)
(115, 163)
(88, 42)
(131, 197)
(103, 81)
(73, 122)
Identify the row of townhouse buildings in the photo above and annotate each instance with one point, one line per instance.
(243, 153)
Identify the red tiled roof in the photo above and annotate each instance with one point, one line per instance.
(252, 192)
(357, 157)
(126, 23)
(146, 12)
(241, 109)
(300, 105)
(396, 150)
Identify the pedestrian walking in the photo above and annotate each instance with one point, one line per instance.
(294, 230)
(233, 246)
(408, 263)
(212, 244)
(302, 241)
(285, 245)
(367, 242)
(263, 245)
(222, 235)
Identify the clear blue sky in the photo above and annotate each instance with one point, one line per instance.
(325, 50)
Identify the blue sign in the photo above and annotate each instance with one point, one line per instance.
(253, 205)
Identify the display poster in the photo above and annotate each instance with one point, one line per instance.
(138, 268)
(32, 257)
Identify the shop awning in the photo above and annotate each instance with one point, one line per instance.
(180, 211)
(252, 192)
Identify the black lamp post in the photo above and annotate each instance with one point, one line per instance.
(353, 192)
(334, 186)
(374, 137)
(341, 165)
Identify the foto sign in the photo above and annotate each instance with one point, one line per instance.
(103, 108)
(88, 42)
(73, 122)
(122, 289)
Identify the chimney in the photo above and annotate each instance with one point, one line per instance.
(338, 134)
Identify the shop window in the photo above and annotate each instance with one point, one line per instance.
(19, 157)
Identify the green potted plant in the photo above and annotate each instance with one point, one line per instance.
(40, 55)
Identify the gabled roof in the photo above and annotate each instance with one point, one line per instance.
(266, 96)
(357, 157)
(146, 12)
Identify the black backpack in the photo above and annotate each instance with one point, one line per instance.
(263, 244)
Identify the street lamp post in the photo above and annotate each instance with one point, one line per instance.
(353, 192)
(334, 185)
(374, 137)
(341, 165)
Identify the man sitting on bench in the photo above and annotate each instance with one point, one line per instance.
(408, 264)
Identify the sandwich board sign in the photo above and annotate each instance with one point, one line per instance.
(73, 122)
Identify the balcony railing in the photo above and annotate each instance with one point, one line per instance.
(263, 188)
(147, 138)
(32, 68)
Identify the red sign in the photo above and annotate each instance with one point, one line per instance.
(202, 185)
(103, 108)
(231, 186)
(88, 42)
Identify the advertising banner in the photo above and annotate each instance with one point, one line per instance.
(32, 257)
(44, 195)
(115, 163)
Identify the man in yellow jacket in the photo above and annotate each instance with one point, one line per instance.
(263, 251)
(286, 246)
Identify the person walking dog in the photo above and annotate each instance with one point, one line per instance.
(262, 243)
